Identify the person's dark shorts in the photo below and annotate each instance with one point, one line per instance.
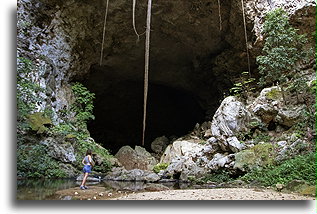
(87, 168)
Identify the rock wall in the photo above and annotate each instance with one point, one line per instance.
(64, 40)
(301, 14)
(189, 51)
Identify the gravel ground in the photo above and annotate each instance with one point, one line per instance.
(214, 194)
(101, 193)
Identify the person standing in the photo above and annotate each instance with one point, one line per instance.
(88, 164)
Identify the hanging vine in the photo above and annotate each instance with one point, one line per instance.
(219, 12)
(133, 21)
(147, 48)
(146, 67)
(104, 33)
(246, 37)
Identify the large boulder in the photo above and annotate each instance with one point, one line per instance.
(159, 144)
(221, 161)
(179, 149)
(185, 159)
(258, 156)
(266, 106)
(289, 116)
(137, 158)
(269, 107)
(230, 144)
(183, 167)
(230, 118)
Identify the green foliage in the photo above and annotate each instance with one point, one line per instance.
(220, 177)
(283, 47)
(243, 86)
(63, 129)
(299, 168)
(83, 105)
(33, 162)
(262, 137)
(160, 166)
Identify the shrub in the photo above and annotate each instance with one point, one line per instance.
(283, 47)
(160, 166)
(222, 176)
(83, 105)
(34, 162)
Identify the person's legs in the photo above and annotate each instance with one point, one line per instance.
(83, 183)
(86, 170)
(84, 179)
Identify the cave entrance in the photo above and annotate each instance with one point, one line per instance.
(119, 112)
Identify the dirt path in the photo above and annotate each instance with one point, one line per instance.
(101, 193)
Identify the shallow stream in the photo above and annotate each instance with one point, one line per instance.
(45, 189)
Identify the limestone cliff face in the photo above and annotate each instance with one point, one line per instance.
(191, 49)
(195, 51)
(64, 40)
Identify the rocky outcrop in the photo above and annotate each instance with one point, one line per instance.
(61, 151)
(192, 51)
(159, 144)
(270, 107)
(137, 158)
(221, 161)
(300, 12)
(258, 156)
(231, 117)
(267, 104)
(179, 149)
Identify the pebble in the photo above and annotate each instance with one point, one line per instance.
(95, 197)
(76, 193)
(109, 194)
(101, 194)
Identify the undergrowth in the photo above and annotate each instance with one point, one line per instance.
(302, 167)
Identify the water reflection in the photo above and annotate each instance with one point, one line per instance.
(45, 189)
(141, 186)
(41, 189)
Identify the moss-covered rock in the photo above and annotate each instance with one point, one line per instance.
(38, 122)
(309, 191)
(274, 94)
(258, 156)
(296, 185)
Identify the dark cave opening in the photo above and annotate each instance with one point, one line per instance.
(192, 65)
(119, 113)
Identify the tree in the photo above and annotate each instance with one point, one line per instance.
(283, 48)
